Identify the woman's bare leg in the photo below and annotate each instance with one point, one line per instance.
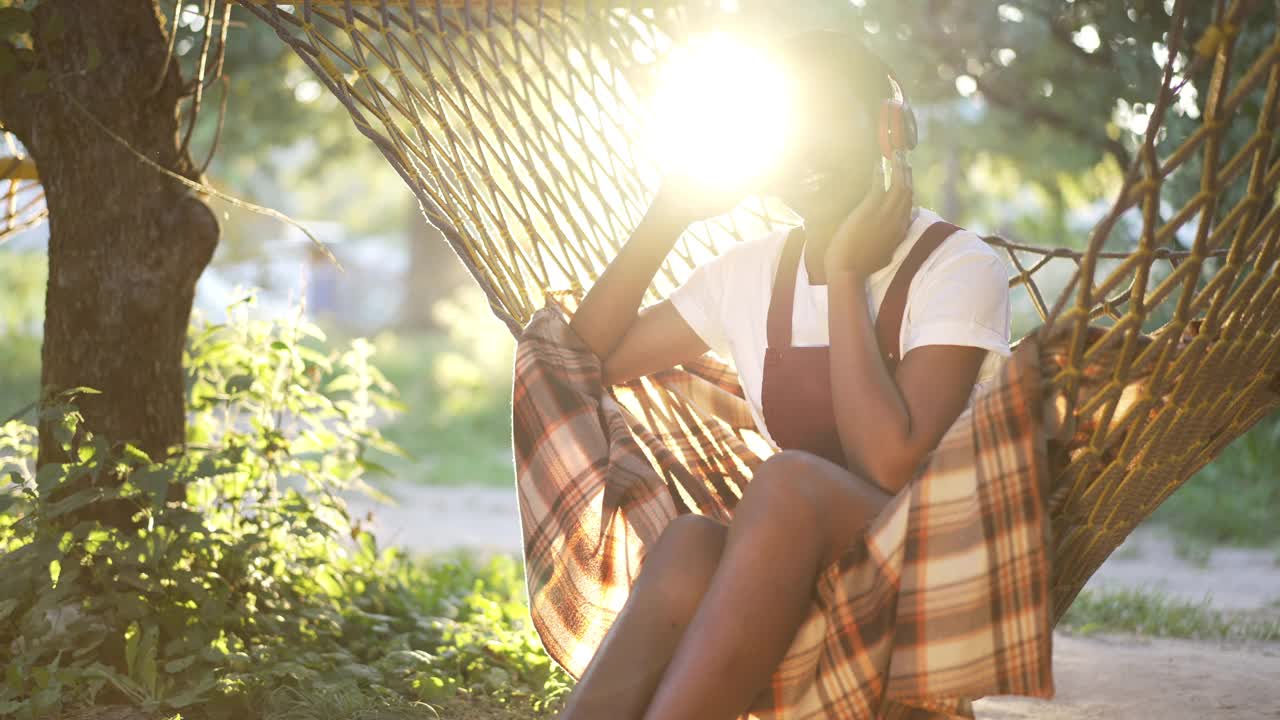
(799, 514)
(620, 680)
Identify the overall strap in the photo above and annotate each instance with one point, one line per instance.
(778, 322)
(889, 317)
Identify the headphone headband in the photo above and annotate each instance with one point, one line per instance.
(897, 130)
(899, 94)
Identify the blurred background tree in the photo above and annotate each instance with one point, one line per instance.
(126, 244)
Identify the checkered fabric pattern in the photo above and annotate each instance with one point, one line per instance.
(945, 599)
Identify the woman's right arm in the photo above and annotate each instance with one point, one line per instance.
(631, 342)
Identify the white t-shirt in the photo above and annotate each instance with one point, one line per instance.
(960, 296)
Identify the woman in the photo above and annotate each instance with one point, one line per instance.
(715, 607)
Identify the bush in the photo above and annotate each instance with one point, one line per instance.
(241, 574)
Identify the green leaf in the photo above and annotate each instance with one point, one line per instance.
(345, 382)
(73, 502)
(239, 383)
(7, 606)
(147, 660)
(328, 583)
(48, 477)
(180, 664)
(132, 635)
(374, 468)
(193, 694)
(154, 482)
(368, 544)
(132, 452)
(55, 571)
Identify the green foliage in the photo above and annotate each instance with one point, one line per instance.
(22, 280)
(459, 388)
(1149, 612)
(22, 277)
(241, 574)
(1236, 498)
(19, 373)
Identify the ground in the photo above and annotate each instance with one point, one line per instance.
(1130, 678)
(1116, 677)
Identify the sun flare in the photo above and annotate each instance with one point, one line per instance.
(719, 112)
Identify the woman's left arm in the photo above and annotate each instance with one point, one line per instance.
(889, 423)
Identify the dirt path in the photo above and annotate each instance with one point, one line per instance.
(434, 519)
(1126, 678)
(1102, 678)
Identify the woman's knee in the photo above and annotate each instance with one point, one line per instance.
(696, 539)
(808, 497)
(791, 484)
(682, 562)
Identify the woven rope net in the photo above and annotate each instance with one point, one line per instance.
(21, 196)
(515, 124)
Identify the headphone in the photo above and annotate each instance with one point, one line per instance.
(896, 130)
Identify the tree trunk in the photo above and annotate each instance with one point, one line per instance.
(434, 272)
(126, 242)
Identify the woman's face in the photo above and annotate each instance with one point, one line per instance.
(828, 161)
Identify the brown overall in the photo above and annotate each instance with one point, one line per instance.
(796, 391)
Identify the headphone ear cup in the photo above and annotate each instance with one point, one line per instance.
(897, 130)
(910, 133)
(884, 130)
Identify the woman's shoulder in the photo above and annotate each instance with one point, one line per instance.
(753, 252)
(964, 247)
(761, 243)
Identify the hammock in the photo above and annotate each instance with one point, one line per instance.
(515, 125)
(21, 196)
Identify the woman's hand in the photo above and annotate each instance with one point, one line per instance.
(684, 200)
(868, 236)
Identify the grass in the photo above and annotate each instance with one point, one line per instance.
(289, 704)
(1155, 613)
(354, 705)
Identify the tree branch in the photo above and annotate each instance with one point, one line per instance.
(1016, 102)
(1021, 104)
(1104, 58)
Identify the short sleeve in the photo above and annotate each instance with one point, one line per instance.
(700, 301)
(961, 299)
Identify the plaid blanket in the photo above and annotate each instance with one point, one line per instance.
(946, 599)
